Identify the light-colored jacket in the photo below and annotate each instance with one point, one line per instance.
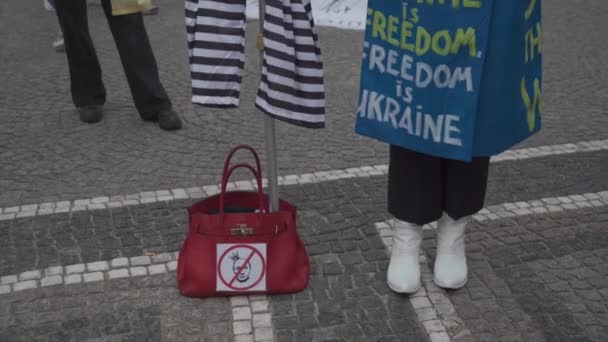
(122, 7)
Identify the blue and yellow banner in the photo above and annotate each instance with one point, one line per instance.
(451, 78)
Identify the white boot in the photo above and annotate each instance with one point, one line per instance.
(404, 267)
(451, 262)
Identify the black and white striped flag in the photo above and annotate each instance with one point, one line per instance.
(292, 87)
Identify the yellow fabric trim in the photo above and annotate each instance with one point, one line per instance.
(122, 7)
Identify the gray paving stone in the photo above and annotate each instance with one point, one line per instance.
(98, 266)
(25, 285)
(10, 279)
(118, 273)
(73, 279)
(77, 268)
(51, 280)
(93, 276)
(241, 313)
(157, 269)
(161, 258)
(120, 262)
(140, 261)
(5, 289)
(138, 271)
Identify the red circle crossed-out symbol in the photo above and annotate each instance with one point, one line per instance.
(242, 268)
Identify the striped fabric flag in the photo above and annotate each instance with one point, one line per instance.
(291, 88)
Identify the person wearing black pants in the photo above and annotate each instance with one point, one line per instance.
(138, 61)
(423, 189)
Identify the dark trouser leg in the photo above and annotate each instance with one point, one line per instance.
(422, 187)
(85, 73)
(415, 186)
(465, 186)
(138, 61)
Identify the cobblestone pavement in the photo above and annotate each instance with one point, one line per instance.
(108, 274)
(49, 155)
(137, 309)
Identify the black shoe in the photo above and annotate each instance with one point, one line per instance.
(152, 117)
(91, 114)
(169, 120)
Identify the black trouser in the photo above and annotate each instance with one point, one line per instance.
(422, 187)
(135, 52)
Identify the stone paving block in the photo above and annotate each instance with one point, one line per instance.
(179, 194)
(433, 326)
(259, 306)
(426, 314)
(261, 320)
(29, 275)
(161, 258)
(263, 334)
(22, 214)
(119, 262)
(241, 313)
(420, 303)
(61, 210)
(242, 327)
(244, 338)
(29, 207)
(141, 261)
(138, 271)
(5, 289)
(172, 266)
(239, 301)
(9, 279)
(45, 211)
(25, 285)
(92, 277)
(7, 216)
(82, 202)
(118, 273)
(51, 280)
(157, 269)
(76, 268)
(73, 279)
(98, 266)
(100, 200)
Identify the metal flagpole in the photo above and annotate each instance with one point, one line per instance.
(269, 131)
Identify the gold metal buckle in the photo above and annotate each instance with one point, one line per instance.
(241, 230)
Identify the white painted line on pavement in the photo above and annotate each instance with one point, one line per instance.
(252, 319)
(119, 201)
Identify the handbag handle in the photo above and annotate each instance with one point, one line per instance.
(225, 178)
(234, 150)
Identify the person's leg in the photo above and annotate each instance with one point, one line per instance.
(465, 190)
(88, 92)
(139, 64)
(414, 199)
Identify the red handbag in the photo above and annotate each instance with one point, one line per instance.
(236, 246)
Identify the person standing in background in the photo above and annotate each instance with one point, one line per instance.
(138, 61)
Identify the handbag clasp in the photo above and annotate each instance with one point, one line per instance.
(241, 230)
